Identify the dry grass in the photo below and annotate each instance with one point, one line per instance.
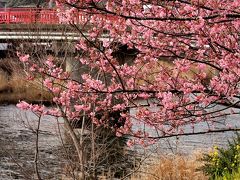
(15, 87)
(172, 167)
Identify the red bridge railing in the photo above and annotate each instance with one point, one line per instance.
(28, 15)
(38, 15)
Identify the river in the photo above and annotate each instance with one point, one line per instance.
(186, 145)
(18, 140)
(17, 145)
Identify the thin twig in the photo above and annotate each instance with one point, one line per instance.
(37, 150)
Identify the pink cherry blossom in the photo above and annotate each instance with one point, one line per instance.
(23, 105)
(170, 64)
(23, 58)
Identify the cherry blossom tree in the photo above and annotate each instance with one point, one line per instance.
(181, 57)
(171, 61)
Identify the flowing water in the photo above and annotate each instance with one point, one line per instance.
(201, 142)
(18, 142)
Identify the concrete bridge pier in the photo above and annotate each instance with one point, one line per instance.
(97, 139)
(66, 53)
(73, 67)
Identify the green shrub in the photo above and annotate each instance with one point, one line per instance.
(230, 176)
(223, 162)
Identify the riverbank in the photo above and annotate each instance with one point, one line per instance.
(172, 167)
(14, 85)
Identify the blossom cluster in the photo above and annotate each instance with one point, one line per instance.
(181, 59)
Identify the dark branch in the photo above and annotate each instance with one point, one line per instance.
(192, 133)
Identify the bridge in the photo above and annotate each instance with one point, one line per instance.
(39, 15)
(38, 24)
(36, 29)
(42, 29)
(30, 15)
(18, 25)
(34, 24)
